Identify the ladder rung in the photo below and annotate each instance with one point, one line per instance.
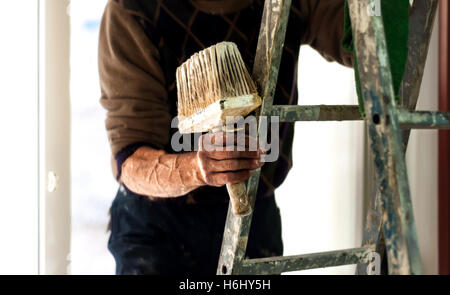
(423, 119)
(407, 119)
(277, 265)
(288, 113)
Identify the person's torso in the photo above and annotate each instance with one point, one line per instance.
(179, 29)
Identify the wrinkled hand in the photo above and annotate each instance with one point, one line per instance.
(224, 160)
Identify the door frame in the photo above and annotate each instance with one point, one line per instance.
(444, 140)
(54, 137)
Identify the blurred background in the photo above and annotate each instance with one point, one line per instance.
(56, 180)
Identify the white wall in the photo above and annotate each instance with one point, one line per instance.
(321, 200)
(92, 185)
(19, 137)
(34, 123)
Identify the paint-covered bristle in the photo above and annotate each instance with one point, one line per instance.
(215, 73)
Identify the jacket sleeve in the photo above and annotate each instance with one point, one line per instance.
(132, 83)
(324, 28)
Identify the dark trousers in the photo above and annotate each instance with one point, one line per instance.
(149, 237)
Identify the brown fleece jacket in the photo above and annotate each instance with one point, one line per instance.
(136, 56)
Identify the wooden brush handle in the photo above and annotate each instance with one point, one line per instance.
(239, 199)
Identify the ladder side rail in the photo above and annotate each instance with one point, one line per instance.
(265, 72)
(422, 20)
(385, 140)
(423, 14)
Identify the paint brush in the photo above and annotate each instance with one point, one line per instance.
(215, 88)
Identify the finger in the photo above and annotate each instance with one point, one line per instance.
(228, 138)
(243, 141)
(234, 165)
(228, 155)
(222, 178)
(217, 139)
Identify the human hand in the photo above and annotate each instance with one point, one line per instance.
(223, 159)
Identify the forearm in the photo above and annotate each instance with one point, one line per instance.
(155, 173)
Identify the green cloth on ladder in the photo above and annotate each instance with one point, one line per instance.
(395, 15)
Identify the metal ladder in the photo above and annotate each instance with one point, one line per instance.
(389, 230)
